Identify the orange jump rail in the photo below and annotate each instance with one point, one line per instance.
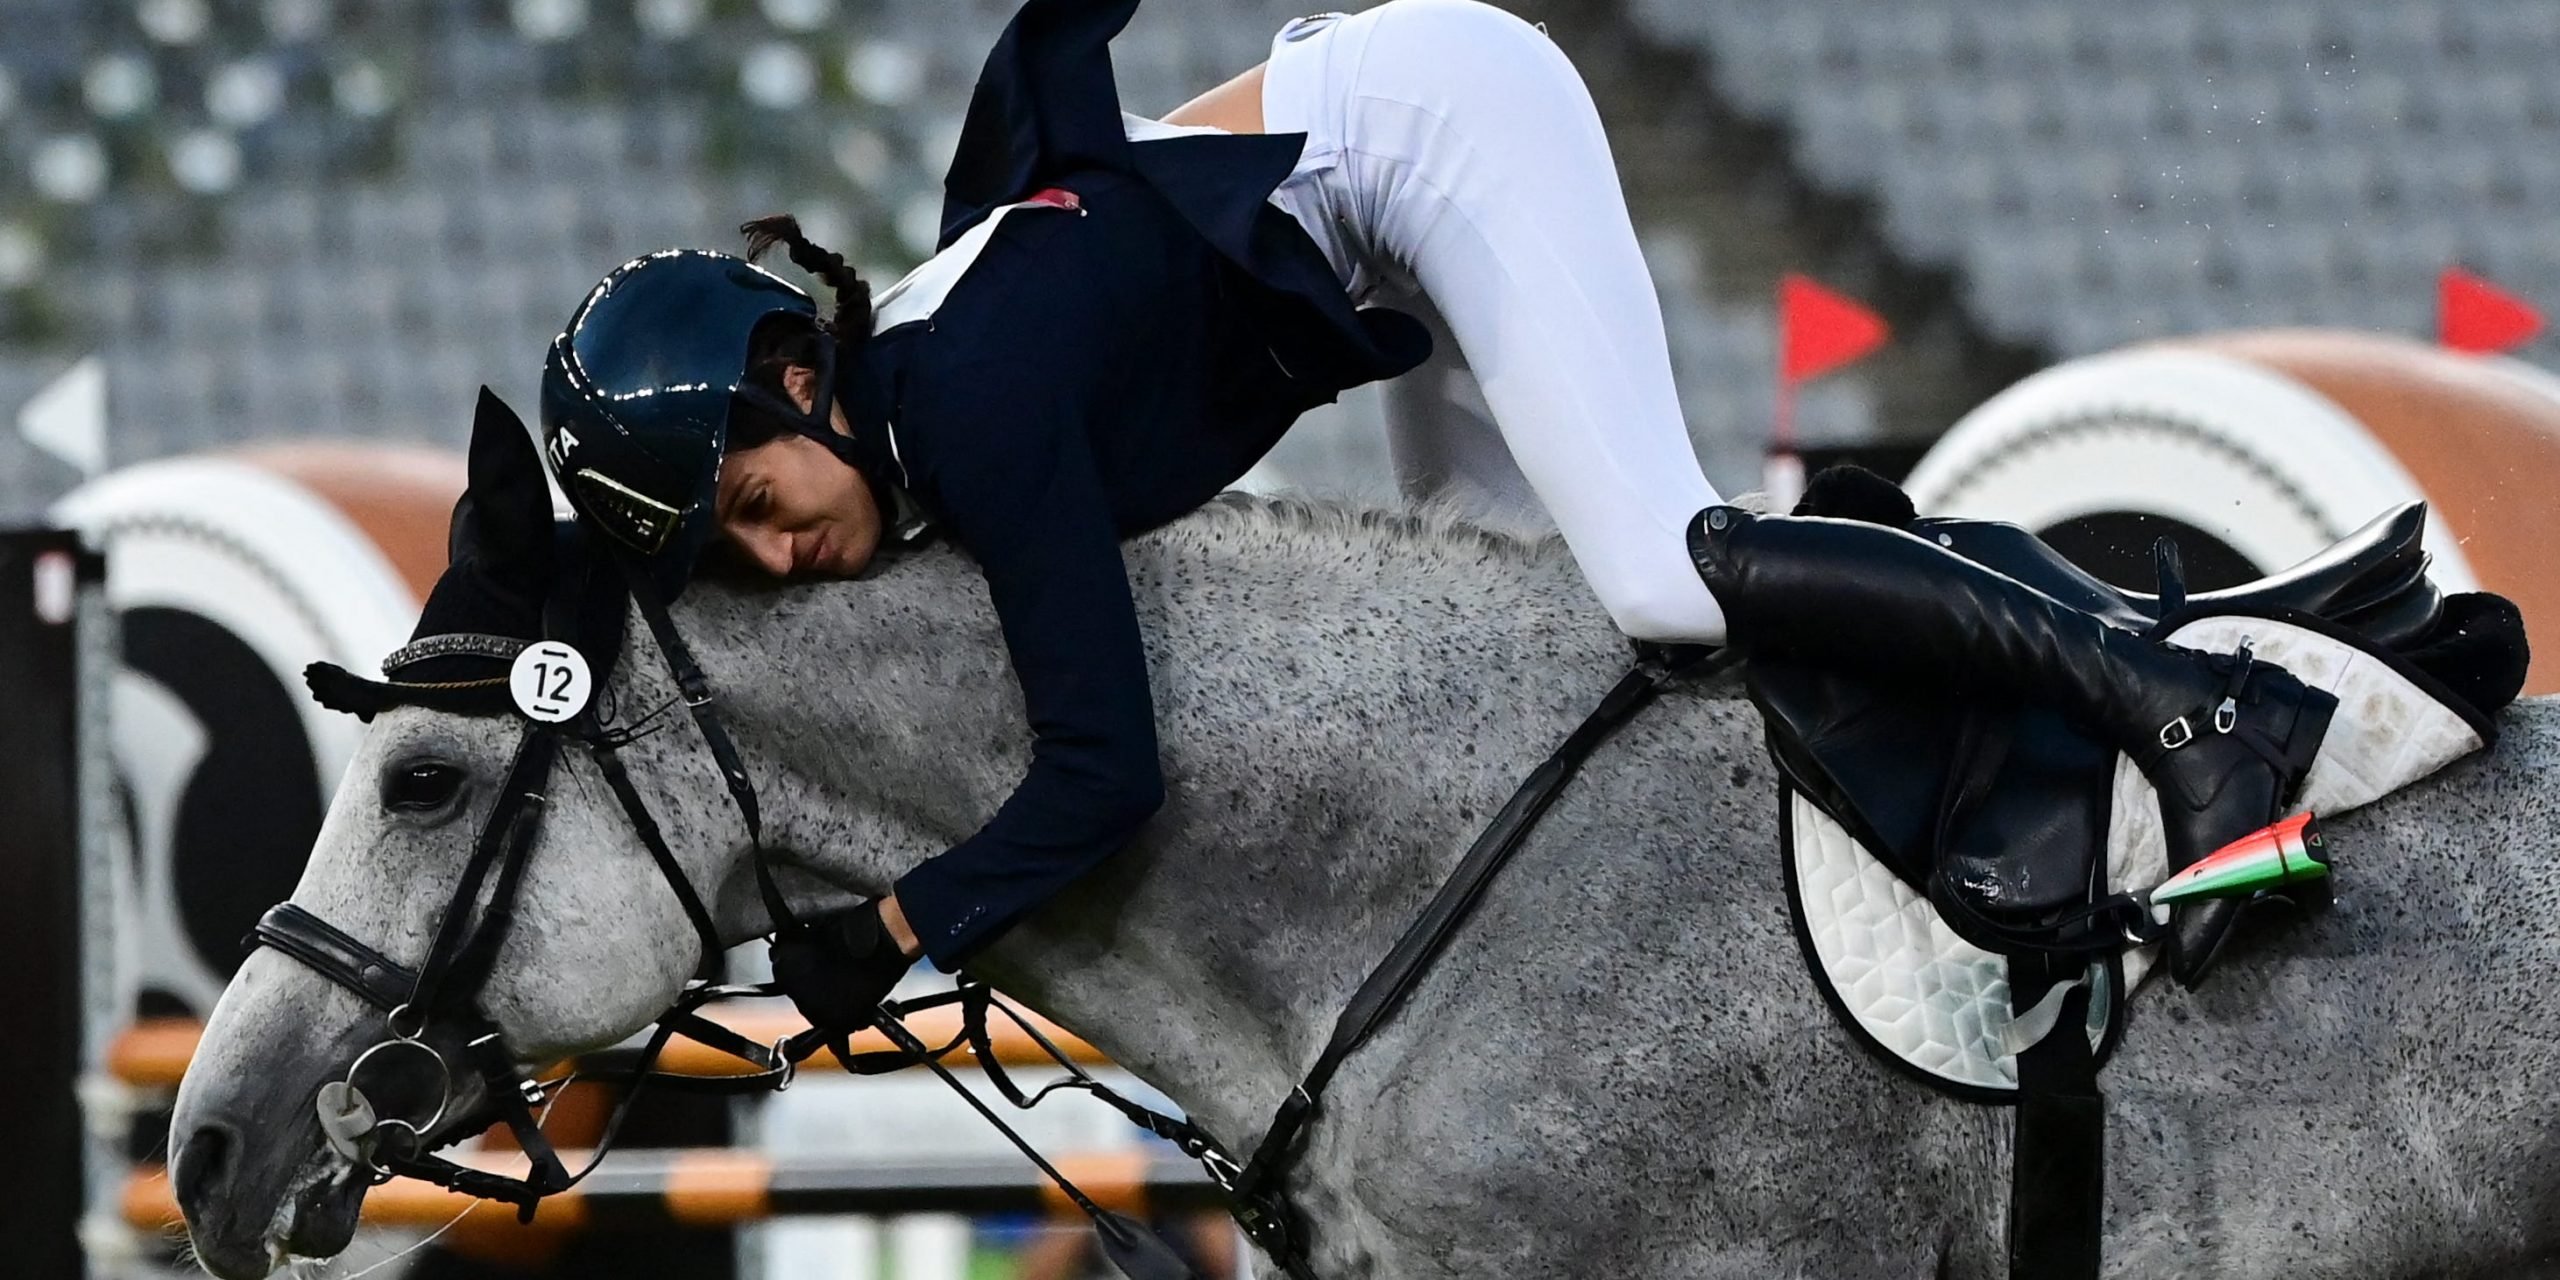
(153, 1053)
(710, 1188)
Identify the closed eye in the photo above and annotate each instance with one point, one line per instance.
(424, 787)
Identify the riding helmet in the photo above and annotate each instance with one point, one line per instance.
(637, 393)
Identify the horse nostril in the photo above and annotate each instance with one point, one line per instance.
(203, 1167)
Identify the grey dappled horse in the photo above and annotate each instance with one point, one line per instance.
(1619, 1068)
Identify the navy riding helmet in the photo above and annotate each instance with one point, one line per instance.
(637, 394)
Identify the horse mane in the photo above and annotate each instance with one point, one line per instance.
(1445, 529)
(1438, 528)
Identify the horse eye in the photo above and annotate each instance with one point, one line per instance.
(422, 788)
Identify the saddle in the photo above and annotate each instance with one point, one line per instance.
(1935, 783)
(1891, 797)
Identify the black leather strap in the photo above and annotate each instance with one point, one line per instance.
(383, 982)
(463, 929)
(489, 1056)
(698, 699)
(480, 951)
(646, 826)
(2057, 1170)
(1130, 1246)
(1261, 1210)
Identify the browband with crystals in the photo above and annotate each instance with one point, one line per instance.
(339, 689)
(460, 644)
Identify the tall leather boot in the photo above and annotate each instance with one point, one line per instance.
(2225, 740)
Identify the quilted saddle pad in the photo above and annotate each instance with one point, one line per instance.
(1921, 998)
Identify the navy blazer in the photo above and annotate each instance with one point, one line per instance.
(1096, 372)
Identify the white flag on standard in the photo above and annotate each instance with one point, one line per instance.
(68, 419)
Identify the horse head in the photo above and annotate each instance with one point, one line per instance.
(598, 946)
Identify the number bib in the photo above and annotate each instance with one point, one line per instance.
(551, 682)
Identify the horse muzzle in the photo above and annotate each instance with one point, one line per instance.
(252, 1170)
(242, 1218)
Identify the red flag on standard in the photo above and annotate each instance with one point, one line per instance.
(1819, 330)
(2475, 316)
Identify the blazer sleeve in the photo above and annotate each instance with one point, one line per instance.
(1031, 509)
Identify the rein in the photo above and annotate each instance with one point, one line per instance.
(442, 991)
(1256, 1193)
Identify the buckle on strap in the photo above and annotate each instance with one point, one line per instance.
(2226, 714)
(2179, 732)
(1221, 1169)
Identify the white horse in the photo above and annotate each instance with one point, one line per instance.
(1618, 1067)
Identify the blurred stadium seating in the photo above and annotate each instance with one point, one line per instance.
(338, 217)
(2098, 172)
(320, 217)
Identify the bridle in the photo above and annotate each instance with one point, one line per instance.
(442, 990)
(441, 993)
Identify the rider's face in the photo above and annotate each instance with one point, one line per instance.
(791, 508)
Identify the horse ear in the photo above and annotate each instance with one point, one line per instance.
(504, 519)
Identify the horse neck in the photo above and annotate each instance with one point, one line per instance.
(1343, 701)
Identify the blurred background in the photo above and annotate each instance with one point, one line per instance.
(256, 256)
(336, 218)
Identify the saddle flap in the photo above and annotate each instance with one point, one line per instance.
(1873, 757)
(2022, 845)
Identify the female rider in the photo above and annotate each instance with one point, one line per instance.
(1126, 314)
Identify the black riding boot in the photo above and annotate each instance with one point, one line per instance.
(2226, 741)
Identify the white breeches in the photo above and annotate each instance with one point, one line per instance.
(1453, 148)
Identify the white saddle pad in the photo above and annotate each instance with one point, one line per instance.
(1917, 994)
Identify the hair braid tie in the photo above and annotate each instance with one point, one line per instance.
(852, 320)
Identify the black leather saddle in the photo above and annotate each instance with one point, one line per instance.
(2372, 582)
(1936, 781)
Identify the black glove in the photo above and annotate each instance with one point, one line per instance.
(838, 967)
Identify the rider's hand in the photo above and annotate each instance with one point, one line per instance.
(838, 967)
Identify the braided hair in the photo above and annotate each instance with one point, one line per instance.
(785, 341)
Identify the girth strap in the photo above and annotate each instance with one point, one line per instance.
(2057, 1168)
